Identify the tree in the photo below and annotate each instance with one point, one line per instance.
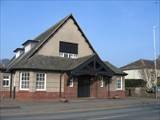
(149, 76)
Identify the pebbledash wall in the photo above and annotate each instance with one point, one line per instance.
(52, 90)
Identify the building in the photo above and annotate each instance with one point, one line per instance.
(142, 70)
(61, 63)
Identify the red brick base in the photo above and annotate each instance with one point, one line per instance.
(25, 95)
(4, 94)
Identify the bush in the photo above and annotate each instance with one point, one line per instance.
(135, 83)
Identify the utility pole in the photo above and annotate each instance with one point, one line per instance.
(155, 57)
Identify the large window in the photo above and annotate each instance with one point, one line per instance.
(6, 80)
(24, 81)
(41, 81)
(119, 84)
(69, 50)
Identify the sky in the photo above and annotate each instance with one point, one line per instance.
(120, 31)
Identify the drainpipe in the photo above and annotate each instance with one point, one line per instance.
(108, 88)
(11, 86)
(60, 85)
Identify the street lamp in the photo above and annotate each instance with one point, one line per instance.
(155, 57)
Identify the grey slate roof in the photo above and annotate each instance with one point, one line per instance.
(40, 62)
(116, 70)
(140, 64)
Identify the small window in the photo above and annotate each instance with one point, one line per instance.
(119, 84)
(6, 80)
(24, 80)
(71, 82)
(101, 82)
(41, 81)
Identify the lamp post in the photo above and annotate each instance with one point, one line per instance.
(155, 56)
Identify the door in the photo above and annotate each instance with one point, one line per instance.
(83, 88)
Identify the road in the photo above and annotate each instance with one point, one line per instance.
(137, 112)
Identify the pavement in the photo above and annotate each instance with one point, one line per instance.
(81, 109)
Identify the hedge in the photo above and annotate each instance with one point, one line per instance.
(135, 83)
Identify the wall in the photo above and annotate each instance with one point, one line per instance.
(52, 86)
(68, 33)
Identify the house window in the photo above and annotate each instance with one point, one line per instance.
(41, 81)
(71, 82)
(119, 84)
(68, 50)
(24, 80)
(101, 82)
(68, 55)
(6, 80)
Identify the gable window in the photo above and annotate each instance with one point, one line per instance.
(119, 84)
(71, 82)
(41, 81)
(6, 80)
(24, 80)
(101, 82)
(68, 50)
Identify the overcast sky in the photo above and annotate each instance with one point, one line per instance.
(120, 32)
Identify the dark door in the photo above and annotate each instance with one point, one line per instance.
(83, 88)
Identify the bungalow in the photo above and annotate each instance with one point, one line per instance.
(61, 63)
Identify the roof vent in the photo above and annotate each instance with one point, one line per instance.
(29, 44)
(18, 51)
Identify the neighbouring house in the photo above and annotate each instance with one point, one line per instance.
(4, 82)
(142, 70)
(61, 63)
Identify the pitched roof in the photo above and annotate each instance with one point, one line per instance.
(44, 37)
(140, 64)
(116, 70)
(40, 62)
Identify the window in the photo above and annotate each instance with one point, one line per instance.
(119, 84)
(68, 55)
(101, 82)
(24, 81)
(71, 82)
(6, 80)
(41, 81)
(68, 50)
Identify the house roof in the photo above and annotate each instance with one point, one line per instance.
(40, 62)
(116, 70)
(44, 37)
(140, 64)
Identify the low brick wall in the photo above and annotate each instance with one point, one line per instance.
(138, 92)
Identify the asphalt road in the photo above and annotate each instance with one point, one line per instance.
(137, 112)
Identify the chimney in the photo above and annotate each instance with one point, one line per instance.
(18, 51)
(29, 44)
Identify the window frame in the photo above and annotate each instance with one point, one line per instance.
(40, 89)
(6, 79)
(117, 88)
(21, 81)
(69, 55)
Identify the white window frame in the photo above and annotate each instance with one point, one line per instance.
(71, 83)
(6, 79)
(69, 55)
(21, 81)
(44, 89)
(120, 83)
(101, 81)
